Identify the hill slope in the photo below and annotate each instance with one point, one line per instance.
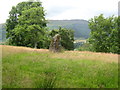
(38, 68)
(2, 33)
(79, 26)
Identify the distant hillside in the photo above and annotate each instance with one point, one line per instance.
(2, 32)
(79, 26)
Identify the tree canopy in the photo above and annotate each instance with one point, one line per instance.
(104, 34)
(26, 25)
(67, 37)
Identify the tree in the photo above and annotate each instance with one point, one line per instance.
(67, 37)
(104, 34)
(15, 13)
(30, 25)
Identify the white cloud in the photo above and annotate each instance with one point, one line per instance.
(81, 9)
(5, 7)
(67, 9)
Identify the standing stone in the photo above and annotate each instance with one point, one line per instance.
(55, 45)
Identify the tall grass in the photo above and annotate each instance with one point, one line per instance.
(33, 68)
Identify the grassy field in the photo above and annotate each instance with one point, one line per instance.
(38, 68)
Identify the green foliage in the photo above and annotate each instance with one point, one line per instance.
(84, 47)
(67, 37)
(104, 34)
(26, 25)
(80, 27)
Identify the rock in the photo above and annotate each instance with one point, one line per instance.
(55, 45)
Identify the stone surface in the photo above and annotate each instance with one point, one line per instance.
(55, 45)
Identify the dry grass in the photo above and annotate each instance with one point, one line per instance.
(77, 55)
(20, 49)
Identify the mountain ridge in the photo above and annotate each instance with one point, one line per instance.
(80, 26)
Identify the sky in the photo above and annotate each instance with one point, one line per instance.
(67, 9)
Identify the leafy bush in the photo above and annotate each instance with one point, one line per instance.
(67, 37)
(104, 36)
(85, 47)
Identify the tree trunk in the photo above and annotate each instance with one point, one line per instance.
(35, 45)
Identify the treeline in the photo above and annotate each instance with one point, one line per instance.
(27, 26)
(104, 36)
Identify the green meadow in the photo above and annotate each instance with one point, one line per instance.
(38, 68)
